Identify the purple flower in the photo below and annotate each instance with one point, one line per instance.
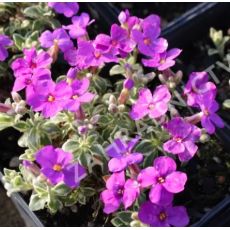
(148, 42)
(72, 57)
(67, 8)
(163, 60)
(79, 95)
(118, 191)
(159, 216)
(118, 41)
(31, 62)
(209, 118)
(49, 97)
(56, 166)
(58, 37)
(154, 105)
(128, 22)
(198, 84)
(78, 27)
(29, 80)
(164, 179)
(122, 155)
(4, 42)
(183, 135)
(88, 55)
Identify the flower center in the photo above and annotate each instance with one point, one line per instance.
(162, 61)
(178, 139)
(160, 180)
(97, 54)
(206, 112)
(114, 42)
(69, 81)
(28, 81)
(151, 106)
(162, 216)
(147, 41)
(51, 98)
(57, 167)
(74, 97)
(33, 65)
(120, 191)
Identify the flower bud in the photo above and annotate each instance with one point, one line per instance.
(135, 223)
(134, 216)
(20, 108)
(171, 85)
(82, 129)
(113, 108)
(121, 108)
(16, 97)
(89, 75)
(112, 99)
(128, 84)
(204, 138)
(95, 119)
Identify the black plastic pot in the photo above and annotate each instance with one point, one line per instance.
(180, 32)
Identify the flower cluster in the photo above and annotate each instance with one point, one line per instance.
(74, 120)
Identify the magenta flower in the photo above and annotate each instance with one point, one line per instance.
(57, 166)
(183, 139)
(49, 97)
(80, 95)
(148, 42)
(159, 216)
(72, 57)
(89, 55)
(128, 22)
(118, 41)
(122, 155)
(30, 80)
(162, 61)
(209, 118)
(198, 84)
(58, 37)
(118, 191)
(79, 24)
(31, 62)
(154, 105)
(67, 8)
(4, 42)
(164, 179)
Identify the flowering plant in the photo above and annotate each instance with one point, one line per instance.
(124, 144)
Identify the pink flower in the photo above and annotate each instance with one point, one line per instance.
(160, 216)
(119, 191)
(162, 61)
(154, 105)
(50, 97)
(66, 8)
(57, 166)
(164, 179)
(183, 139)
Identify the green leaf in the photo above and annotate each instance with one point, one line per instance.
(122, 219)
(6, 121)
(61, 190)
(148, 160)
(117, 222)
(85, 159)
(145, 147)
(87, 191)
(72, 145)
(33, 12)
(116, 69)
(54, 205)
(21, 126)
(19, 41)
(37, 203)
